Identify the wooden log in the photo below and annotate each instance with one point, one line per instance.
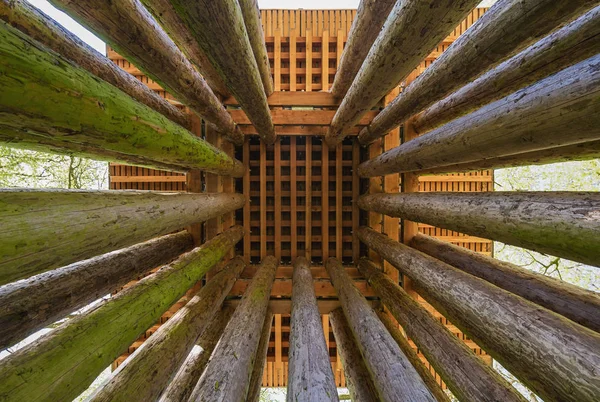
(370, 16)
(146, 373)
(47, 103)
(575, 42)
(227, 375)
(561, 110)
(310, 377)
(555, 357)
(219, 24)
(261, 359)
(46, 229)
(63, 363)
(392, 374)
(399, 48)
(573, 302)
(467, 376)
(130, 29)
(29, 305)
(564, 224)
(506, 28)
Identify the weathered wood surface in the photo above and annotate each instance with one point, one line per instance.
(506, 28)
(63, 363)
(227, 375)
(48, 103)
(29, 305)
(256, 378)
(564, 224)
(310, 377)
(553, 356)
(146, 373)
(392, 374)
(413, 29)
(46, 229)
(467, 376)
(573, 302)
(370, 16)
(219, 29)
(561, 110)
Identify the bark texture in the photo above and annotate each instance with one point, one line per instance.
(261, 359)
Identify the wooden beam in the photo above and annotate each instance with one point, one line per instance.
(287, 98)
(261, 359)
(251, 13)
(283, 288)
(299, 117)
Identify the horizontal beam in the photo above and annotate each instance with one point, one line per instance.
(287, 98)
(299, 117)
(284, 306)
(283, 288)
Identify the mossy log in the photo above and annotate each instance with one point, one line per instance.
(63, 363)
(575, 303)
(227, 375)
(219, 29)
(392, 374)
(413, 29)
(553, 356)
(506, 28)
(261, 358)
(310, 377)
(29, 305)
(563, 224)
(561, 110)
(357, 375)
(48, 103)
(47, 229)
(130, 29)
(146, 373)
(467, 376)
(370, 16)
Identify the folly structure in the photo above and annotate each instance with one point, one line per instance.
(300, 199)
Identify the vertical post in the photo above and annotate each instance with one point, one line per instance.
(309, 63)
(325, 62)
(277, 59)
(293, 37)
(410, 184)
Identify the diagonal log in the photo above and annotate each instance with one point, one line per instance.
(63, 363)
(260, 361)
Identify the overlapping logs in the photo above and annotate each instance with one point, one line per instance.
(561, 110)
(309, 370)
(130, 29)
(413, 29)
(573, 302)
(506, 28)
(46, 229)
(467, 376)
(555, 357)
(260, 361)
(227, 375)
(392, 374)
(564, 224)
(63, 363)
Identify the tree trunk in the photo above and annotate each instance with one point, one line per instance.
(261, 359)
(573, 302)
(505, 29)
(393, 376)
(47, 229)
(62, 364)
(555, 357)
(563, 224)
(309, 370)
(467, 376)
(227, 375)
(413, 29)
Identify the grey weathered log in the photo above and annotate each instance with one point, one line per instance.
(219, 29)
(561, 110)
(370, 16)
(553, 356)
(577, 304)
(47, 229)
(392, 374)
(310, 377)
(29, 305)
(131, 30)
(465, 373)
(146, 373)
(357, 375)
(575, 42)
(413, 29)
(227, 375)
(508, 27)
(256, 378)
(563, 224)
(63, 363)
